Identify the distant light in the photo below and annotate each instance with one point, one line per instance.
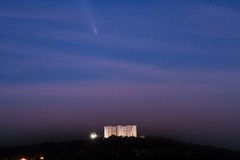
(23, 159)
(93, 135)
(41, 157)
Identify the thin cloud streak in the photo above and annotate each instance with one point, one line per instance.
(116, 89)
(64, 60)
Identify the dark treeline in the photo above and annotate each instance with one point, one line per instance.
(116, 148)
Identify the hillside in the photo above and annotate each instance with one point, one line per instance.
(149, 148)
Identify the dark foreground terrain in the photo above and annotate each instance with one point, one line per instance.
(114, 148)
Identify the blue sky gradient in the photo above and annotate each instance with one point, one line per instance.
(171, 67)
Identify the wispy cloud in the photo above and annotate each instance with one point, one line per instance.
(42, 11)
(207, 20)
(132, 33)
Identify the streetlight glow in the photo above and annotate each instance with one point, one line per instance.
(93, 135)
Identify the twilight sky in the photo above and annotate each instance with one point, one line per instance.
(68, 68)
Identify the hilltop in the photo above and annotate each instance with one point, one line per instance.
(148, 148)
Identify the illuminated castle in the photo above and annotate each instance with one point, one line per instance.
(123, 131)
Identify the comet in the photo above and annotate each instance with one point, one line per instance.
(94, 28)
(89, 15)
